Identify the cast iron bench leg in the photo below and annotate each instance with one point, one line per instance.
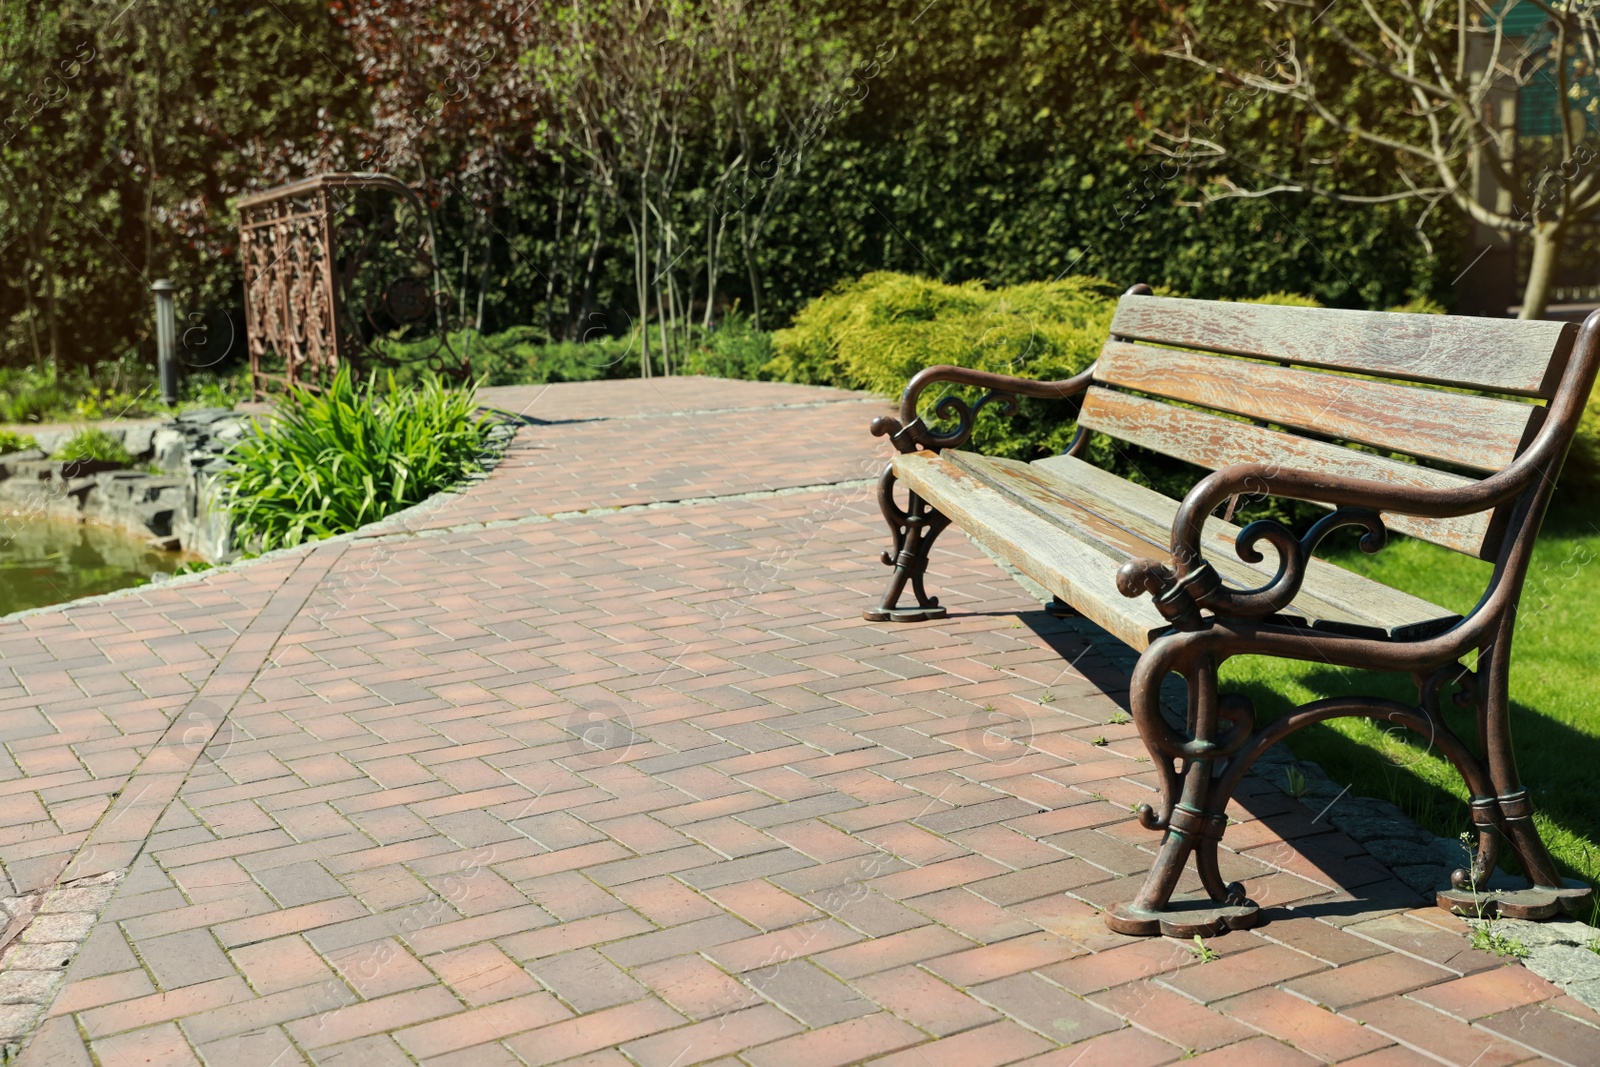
(913, 531)
(1200, 772)
(1508, 810)
(1195, 822)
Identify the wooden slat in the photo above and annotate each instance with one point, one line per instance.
(1214, 442)
(1049, 521)
(1500, 355)
(1478, 432)
(1330, 592)
(1078, 569)
(1078, 508)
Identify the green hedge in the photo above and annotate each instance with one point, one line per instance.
(518, 356)
(523, 355)
(877, 331)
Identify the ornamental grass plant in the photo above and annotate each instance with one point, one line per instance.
(327, 463)
(94, 445)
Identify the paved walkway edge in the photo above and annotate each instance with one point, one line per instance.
(40, 944)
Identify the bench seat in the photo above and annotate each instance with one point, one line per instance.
(1069, 525)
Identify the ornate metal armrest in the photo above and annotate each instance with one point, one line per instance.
(1181, 590)
(1190, 583)
(909, 431)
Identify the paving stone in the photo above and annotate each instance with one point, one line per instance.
(926, 1001)
(1241, 972)
(300, 883)
(1308, 1027)
(1120, 1048)
(997, 1043)
(185, 958)
(1366, 980)
(842, 1043)
(1256, 1052)
(1434, 1033)
(584, 979)
(696, 987)
(1044, 1006)
(806, 992)
(1488, 992)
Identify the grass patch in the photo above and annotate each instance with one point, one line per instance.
(330, 462)
(119, 389)
(1555, 719)
(1201, 951)
(1487, 938)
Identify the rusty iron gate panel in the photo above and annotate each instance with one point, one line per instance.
(334, 265)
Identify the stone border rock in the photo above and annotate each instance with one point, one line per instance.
(1422, 860)
(1565, 953)
(44, 931)
(173, 509)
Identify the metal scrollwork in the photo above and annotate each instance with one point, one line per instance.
(1181, 592)
(341, 269)
(1294, 556)
(909, 432)
(915, 432)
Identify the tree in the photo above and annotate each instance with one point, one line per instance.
(453, 105)
(1458, 70)
(672, 112)
(49, 161)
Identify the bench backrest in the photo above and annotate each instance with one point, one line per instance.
(1314, 381)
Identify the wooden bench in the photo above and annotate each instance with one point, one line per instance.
(1273, 399)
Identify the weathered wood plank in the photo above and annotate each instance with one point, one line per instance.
(1330, 592)
(1214, 442)
(1079, 570)
(1079, 510)
(1478, 432)
(1500, 355)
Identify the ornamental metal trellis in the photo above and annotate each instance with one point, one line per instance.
(340, 269)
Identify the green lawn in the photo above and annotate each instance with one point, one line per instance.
(1555, 693)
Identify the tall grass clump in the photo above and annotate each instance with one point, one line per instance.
(326, 463)
(95, 444)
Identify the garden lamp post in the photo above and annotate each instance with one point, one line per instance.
(166, 341)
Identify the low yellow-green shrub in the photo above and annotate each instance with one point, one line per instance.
(877, 331)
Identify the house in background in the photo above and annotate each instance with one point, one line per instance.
(1495, 264)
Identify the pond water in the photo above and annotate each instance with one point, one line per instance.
(47, 562)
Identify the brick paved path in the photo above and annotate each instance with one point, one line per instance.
(525, 778)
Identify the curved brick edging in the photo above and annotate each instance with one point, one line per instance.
(500, 439)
